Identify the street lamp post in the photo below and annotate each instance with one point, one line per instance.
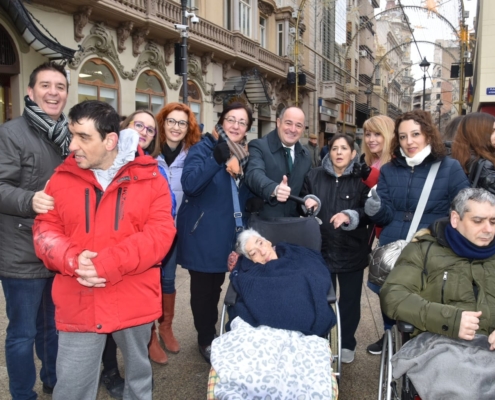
(424, 66)
(439, 108)
(368, 92)
(184, 35)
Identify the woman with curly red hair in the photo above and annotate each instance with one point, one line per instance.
(178, 130)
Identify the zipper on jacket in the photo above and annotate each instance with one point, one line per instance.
(197, 222)
(409, 186)
(443, 283)
(117, 209)
(86, 208)
(99, 194)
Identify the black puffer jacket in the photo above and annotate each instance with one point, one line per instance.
(343, 250)
(487, 174)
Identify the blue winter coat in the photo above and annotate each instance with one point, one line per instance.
(400, 186)
(205, 222)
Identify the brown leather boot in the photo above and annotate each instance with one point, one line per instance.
(165, 327)
(157, 354)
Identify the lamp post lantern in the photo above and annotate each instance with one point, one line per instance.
(424, 66)
(368, 93)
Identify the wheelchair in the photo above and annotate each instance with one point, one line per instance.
(388, 387)
(303, 232)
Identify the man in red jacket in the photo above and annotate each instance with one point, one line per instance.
(106, 237)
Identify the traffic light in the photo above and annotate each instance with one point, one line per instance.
(178, 59)
(291, 78)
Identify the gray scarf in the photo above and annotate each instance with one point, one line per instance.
(55, 131)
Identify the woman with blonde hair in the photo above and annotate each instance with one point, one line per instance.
(378, 134)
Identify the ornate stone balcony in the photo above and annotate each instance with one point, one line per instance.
(159, 17)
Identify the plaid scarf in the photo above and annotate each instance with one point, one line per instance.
(55, 131)
(239, 150)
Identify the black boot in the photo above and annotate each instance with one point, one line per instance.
(113, 382)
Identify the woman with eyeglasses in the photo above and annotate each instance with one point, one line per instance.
(145, 124)
(213, 182)
(178, 130)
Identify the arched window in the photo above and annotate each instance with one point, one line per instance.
(97, 81)
(193, 98)
(150, 92)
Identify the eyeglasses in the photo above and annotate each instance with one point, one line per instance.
(150, 131)
(233, 121)
(171, 123)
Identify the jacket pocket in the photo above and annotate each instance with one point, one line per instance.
(196, 224)
(347, 200)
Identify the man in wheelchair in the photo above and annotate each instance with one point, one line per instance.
(444, 284)
(275, 347)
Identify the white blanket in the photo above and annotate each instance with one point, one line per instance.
(263, 362)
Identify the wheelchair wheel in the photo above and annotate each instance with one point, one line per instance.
(398, 384)
(335, 344)
(384, 385)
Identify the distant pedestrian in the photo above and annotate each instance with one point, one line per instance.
(110, 228)
(314, 150)
(31, 147)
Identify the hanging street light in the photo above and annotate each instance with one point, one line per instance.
(368, 93)
(424, 66)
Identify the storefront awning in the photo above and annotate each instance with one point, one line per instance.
(252, 85)
(30, 32)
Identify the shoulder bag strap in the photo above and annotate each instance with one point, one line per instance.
(239, 226)
(425, 193)
(479, 167)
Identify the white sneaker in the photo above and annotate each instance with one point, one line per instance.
(347, 356)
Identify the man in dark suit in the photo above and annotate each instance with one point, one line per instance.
(278, 164)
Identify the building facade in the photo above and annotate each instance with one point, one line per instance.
(239, 50)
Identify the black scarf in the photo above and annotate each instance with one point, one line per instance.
(169, 154)
(55, 131)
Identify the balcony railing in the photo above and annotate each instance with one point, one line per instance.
(161, 15)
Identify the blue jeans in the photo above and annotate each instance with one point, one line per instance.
(31, 315)
(169, 266)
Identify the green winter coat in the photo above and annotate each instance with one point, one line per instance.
(432, 295)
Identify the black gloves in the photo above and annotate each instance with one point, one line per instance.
(221, 152)
(361, 170)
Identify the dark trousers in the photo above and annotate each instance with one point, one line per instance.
(350, 286)
(205, 294)
(110, 355)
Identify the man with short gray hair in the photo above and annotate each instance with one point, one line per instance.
(444, 284)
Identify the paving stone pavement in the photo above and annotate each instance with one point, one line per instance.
(186, 374)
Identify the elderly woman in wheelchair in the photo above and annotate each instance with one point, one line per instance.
(444, 285)
(276, 345)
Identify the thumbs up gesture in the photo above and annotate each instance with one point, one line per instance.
(282, 191)
(373, 203)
